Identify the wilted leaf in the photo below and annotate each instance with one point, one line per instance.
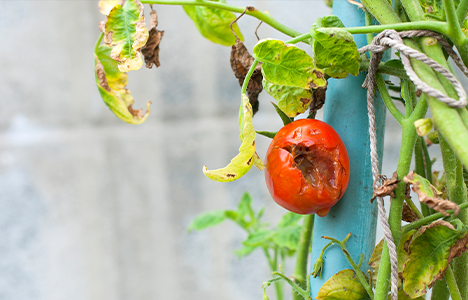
(318, 100)
(288, 236)
(408, 214)
(208, 219)
(241, 61)
(387, 188)
(126, 33)
(291, 100)
(429, 195)
(402, 254)
(335, 51)
(258, 237)
(344, 285)
(105, 6)
(151, 50)
(111, 85)
(288, 65)
(247, 156)
(214, 24)
(430, 254)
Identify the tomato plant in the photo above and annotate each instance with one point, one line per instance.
(307, 164)
(307, 167)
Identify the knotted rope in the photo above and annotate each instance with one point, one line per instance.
(381, 42)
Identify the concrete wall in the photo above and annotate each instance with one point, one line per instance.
(93, 208)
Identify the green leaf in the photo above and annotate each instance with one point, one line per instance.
(258, 237)
(214, 24)
(111, 84)
(247, 156)
(430, 254)
(126, 33)
(344, 285)
(283, 116)
(244, 208)
(288, 65)
(208, 219)
(246, 250)
(395, 63)
(328, 21)
(288, 237)
(268, 134)
(335, 48)
(289, 219)
(402, 296)
(291, 100)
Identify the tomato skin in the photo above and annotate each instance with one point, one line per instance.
(307, 167)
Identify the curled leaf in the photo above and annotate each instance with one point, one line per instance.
(241, 61)
(151, 50)
(429, 195)
(387, 188)
(111, 84)
(430, 254)
(408, 214)
(288, 65)
(126, 33)
(423, 126)
(247, 156)
(214, 24)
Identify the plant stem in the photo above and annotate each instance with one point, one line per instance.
(356, 268)
(385, 70)
(457, 193)
(98, 42)
(247, 77)
(420, 168)
(429, 219)
(452, 284)
(302, 254)
(251, 11)
(299, 38)
(387, 99)
(297, 288)
(462, 10)
(440, 27)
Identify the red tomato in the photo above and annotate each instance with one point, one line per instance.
(307, 167)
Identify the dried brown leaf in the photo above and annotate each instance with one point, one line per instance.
(318, 99)
(151, 50)
(241, 60)
(387, 188)
(408, 214)
(429, 195)
(101, 75)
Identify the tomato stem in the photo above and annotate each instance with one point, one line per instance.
(302, 253)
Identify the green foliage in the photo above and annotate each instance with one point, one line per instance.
(430, 253)
(126, 33)
(291, 100)
(288, 65)
(283, 116)
(284, 237)
(344, 285)
(334, 48)
(268, 134)
(214, 24)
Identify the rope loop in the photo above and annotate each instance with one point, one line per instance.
(392, 39)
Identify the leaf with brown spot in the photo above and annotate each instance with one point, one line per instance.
(387, 188)
(151, 50)
(318, 100)
(291, 100)
(429, 195)
(343, 285)
(241, 61)
(111, 84)
(430, 253)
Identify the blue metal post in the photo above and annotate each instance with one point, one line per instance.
(346, 111)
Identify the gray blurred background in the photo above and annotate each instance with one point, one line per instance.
(94, 208)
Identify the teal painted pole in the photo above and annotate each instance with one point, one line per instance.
(346, 111)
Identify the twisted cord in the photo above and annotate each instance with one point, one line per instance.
(381, 42)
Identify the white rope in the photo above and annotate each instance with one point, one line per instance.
(383, 41)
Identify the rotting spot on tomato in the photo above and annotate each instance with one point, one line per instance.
(307, 167)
